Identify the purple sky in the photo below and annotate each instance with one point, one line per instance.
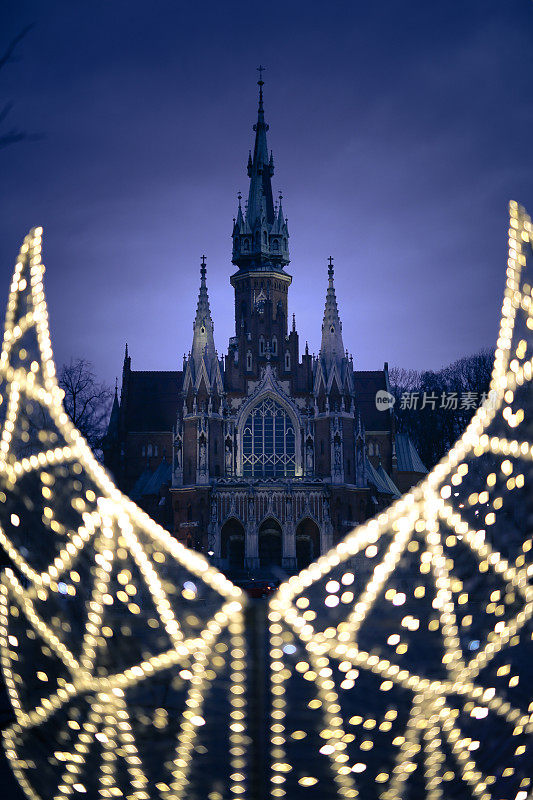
(400, 130)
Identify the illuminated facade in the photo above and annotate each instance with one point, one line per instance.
(263, 457)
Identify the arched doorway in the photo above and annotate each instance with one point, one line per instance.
(270, 543)
(232, 544)
(307, 543)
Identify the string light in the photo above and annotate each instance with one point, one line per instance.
(102, 611)
(391, 658)
(433, 571)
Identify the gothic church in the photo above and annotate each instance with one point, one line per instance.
(262, 459)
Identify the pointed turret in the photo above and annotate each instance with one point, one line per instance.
(260, 235)
(203, 359)
(203, 342)
(332, 371)
(332, 347)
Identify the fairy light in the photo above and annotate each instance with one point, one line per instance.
(109, 560)
(111, 567)
(430, 527)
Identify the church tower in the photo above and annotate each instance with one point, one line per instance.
(261, 253)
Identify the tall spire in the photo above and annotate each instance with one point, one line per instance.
(260, 200)
(260, 236)
(332, 348)
(203, 343)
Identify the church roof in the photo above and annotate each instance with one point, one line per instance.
(151, 482)
(152, 400)
(383, 474)
(376, 479)
(407, 455)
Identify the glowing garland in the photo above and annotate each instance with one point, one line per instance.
(311, 636)
(119, 647)
(112, 541)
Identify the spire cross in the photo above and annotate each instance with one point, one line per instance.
(330, 267)
(203, 269)
(260, 83)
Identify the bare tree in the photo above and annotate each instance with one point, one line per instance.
(435, 427)
(86, 401)
(12, 135)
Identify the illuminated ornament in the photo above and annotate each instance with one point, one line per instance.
(405, 654)
(400, 662)
(121, 650)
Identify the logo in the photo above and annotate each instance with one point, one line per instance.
(384, 400)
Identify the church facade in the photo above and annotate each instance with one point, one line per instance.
(264, 457)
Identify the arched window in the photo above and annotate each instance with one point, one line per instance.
(275, 245)
(149, 452)
(268, 442)
(274, 346)
(246, 245)
(248, 360)
(156, 451)
(370, 449)
(377, 449)
(261, 345)
(287, 360)
(143, 450)
(265, 237)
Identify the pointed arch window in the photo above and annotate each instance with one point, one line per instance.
(249, 360)
(287, 360)
(275, 245)
(268, 442)
(371, 449)
(246, 245)
(274, 346)
(149, 451)
(261, 345)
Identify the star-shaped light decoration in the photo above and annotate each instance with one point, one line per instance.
(402, 661)
(122, 651)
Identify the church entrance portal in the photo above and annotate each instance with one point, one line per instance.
(307, 543)
(232, 544)
(270, 543)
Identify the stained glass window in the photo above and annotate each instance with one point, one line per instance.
(268, 442)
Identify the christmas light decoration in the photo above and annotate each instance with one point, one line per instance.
(122, 651)
(400, 662)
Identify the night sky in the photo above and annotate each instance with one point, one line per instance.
(400, 131)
